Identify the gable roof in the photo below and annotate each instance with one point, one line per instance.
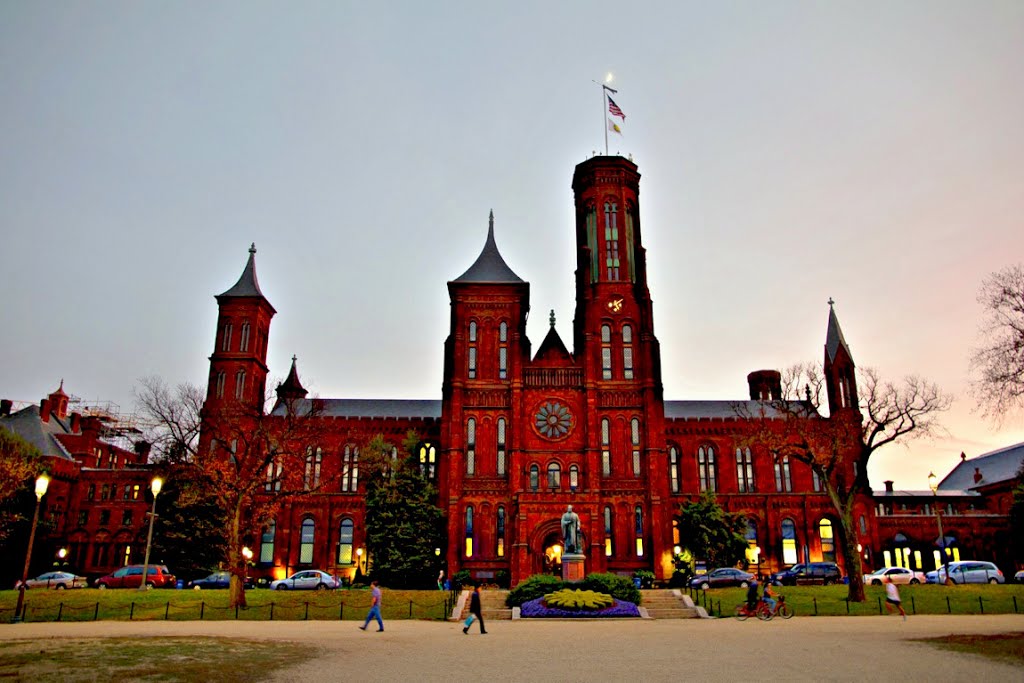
(552, 348)
(489, 265)
(43, 435)
(995, 466)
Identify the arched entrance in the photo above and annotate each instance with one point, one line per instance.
(552, 554)
(546, 548)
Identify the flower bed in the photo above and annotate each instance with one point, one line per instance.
(538, 609)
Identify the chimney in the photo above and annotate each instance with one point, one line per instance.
(44, 410)
(888, 486)
(143, 448)
(76, 422)
(765, 385)
(91, 426)
(5, 407)
(978, 476)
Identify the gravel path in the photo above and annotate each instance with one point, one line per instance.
(802, 649)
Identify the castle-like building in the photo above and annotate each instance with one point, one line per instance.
(518, 435)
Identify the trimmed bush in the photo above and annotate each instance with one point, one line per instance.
(537, 586)
(567, 598)
(619, 587)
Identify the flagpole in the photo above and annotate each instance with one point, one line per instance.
(604, 115)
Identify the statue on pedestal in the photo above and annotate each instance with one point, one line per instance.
(571, 532)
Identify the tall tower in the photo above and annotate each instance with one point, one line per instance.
(840, 371)
(238, 366)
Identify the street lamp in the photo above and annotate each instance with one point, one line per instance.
(359, 559)
(933, 484)
(247, 555)
(42, 481)
(155, 487)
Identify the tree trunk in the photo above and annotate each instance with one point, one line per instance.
(236, 563)
(851, 558)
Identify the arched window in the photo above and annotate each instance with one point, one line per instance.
(472, 350)
(744, 470)
(503, 350)
(753, 552)
(501, 447)
(306, 541)
(816, 480)
(427, 456)
(221, 380)
(501, 531)
(311, 480)
(350, 469)
(266, 544)
(345, 541)
(275, 473)
(574, 477)
(706, 468)
(243, 344)
(606, 352)
(225, 339)
(606, 447)
(534, 477)
(783, 480)
(634, 437)
(673, 469)
(469, 531)
(611, 240)
(471, 447)
(788, 542)
(828, 541)
(554, 475)
(627, 352)
(239, 384)
(609, 548)
(638, 530)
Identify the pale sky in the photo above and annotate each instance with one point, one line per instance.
(790, 151)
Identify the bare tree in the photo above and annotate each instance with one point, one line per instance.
(999, 361)
(838, 447)
(172, 416)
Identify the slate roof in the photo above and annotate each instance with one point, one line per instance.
(996, 466)
(834, 336)
(370, 408)
(43, 435)
(247, 284)
(489, 265)
(698, 410)
(291, 384)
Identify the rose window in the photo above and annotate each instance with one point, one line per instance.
(553, 420)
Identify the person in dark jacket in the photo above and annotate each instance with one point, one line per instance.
(474, 612)
(752, 594)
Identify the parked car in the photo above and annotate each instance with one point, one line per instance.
(827, 572)
(898, 575)
(217, 580)
(967, 571)
(57, 580)
(718, 578)
(1019, 576)
(130, 576)
(309, 579)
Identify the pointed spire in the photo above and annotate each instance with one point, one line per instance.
(489, 265)
(60, 389)
(247, 284)
(291, 388)
(834, 339)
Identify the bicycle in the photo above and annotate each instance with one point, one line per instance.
(782, 609)
(761, 611)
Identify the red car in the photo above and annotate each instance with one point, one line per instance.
(130, 576)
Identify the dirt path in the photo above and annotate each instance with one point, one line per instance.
(802, 649)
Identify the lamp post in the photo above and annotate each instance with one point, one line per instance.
(155, 487)
(42, 482)
(247, 556)
(359, 560)
(933, 484)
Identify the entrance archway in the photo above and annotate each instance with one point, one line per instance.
(552, 554)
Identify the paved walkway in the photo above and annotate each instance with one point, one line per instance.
(801, 649)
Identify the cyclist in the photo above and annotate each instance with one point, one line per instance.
(752, 595)
(767, 596)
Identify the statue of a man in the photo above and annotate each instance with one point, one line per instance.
(571, 531)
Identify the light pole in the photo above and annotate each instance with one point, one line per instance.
(155, 487)
(246, 556)
(359, 560)
(42, 481)
(933, 484)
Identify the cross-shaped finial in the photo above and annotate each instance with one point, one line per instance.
(830, 302)
(294, 358)
(252, 248)
(551, 318)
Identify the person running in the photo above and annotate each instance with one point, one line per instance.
(374, 612)
(892, 597)
(475, 612)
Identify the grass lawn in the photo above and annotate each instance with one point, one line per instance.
(922, 599)
(150, 659)
(1004, 647)
(87, 604)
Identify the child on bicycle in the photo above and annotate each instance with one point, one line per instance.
(766, 597)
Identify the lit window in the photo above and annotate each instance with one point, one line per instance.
(501, 532)
(428, 455)
(788, 542)
(638, 530)
(608, 546)
(751, 536)
(469, 531)
(345, 541)
(828, 543)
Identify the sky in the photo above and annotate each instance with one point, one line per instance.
(871, 152)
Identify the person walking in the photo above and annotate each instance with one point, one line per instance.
(892, 597)
(440, 580)
(374, 612)
(475, 612)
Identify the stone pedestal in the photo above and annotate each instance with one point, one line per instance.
(572, 567)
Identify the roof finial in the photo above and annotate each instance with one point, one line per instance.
(252, 248)
(551, 318)
(830, 302)
(61, 387)
(294, 358)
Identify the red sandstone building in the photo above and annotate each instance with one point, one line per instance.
(518, 435)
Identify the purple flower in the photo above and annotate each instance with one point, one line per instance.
(537, 609)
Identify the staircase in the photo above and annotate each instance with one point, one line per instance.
(669, 604)
(492, 604)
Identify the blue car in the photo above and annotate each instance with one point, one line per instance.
(216, 580)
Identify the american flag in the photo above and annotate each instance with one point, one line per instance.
(614, 109)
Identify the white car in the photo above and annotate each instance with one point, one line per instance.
(899, 575)
(309, 579)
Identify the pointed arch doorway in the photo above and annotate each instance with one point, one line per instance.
(551, 554)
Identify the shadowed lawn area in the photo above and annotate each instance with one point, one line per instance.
(184, 605)
(75, 660)
(1004, 647)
